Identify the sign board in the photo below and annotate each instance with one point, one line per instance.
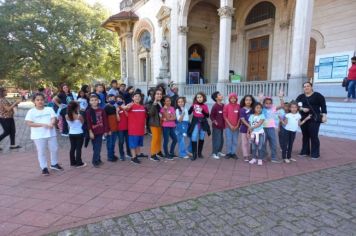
(332, 67)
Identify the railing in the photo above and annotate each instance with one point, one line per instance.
(269, 88)
(192, 89)
(127, 3)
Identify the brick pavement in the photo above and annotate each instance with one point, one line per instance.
(31, 204)
(318, 203)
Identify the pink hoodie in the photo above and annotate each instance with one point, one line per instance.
(232, 110)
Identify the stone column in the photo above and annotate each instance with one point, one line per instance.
(129, 58)
(225, 12)
(300, 46)
(123, 59)
(182, 56)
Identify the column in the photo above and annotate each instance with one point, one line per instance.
(225, 12)
(300, 46)
(123, 59)
(129, 58)
(182, 56)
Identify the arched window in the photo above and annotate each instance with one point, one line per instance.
(262, 11)
(145, 40)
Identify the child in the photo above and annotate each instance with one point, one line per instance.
(291, 123)
(110, 111)
(270, 113)
(154, 121)
(246, 105)
(42, 121)
(256, 132)
(97, 126)
(122, 128)
(82, 100)
(76, 135)
(182, 127)
(100, 92)
(281, 117)
(232, 119)
(199, 124)
(169, 126)
(136, 127)
(218, 123)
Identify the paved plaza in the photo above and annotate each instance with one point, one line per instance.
(320, 203)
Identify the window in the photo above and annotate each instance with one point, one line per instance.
(262, 11)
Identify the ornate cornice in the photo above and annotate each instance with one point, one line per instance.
(226, 11)
(183, 29)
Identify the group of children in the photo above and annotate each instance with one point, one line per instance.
(112, 119)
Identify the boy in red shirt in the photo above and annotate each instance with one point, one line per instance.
(122, 124)
(136, 127)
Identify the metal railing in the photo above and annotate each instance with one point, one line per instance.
(192, 89)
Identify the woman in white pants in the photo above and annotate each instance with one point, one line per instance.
(42, 120)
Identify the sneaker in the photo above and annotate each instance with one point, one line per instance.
(154, 158)
(302, 155)
(82, 165)
(275, 161)
(246, 159)
(100, 162)
(112, 160)
(287, 161)
(347, 100)
(292, 159)
(228, 156)
(220, 154)
(96, 165)
(190, 154)
(260, 162)
(45, 171)
(56, 167)
(122, 158)
(234, 156)
(141, 155)
(135, 160)
(169, 158)
(315, 158)
(65, 135)
(215, 156)
(160, 154)
(185, 157)
(15, 147)
(253, 161)
(128, 156)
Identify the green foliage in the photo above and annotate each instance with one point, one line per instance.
(55, 41)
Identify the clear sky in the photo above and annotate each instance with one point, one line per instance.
(112, 5)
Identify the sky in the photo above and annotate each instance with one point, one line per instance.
(112, 5)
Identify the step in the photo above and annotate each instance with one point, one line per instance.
(341, 116)
(337, 135)
(346, 110)
(341, 104)
(338, 128)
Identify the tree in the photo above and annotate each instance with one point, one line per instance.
(55, 41)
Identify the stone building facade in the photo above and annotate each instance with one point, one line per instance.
(205, 41)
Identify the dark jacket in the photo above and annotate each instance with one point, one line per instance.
(195, 120)
(153, 114)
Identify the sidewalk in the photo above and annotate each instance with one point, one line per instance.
(31, 204)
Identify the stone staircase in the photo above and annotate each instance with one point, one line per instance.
(341, 120)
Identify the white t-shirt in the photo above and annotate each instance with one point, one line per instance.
(44, 117)
(293, 120)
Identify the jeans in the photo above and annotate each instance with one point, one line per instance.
(110, 145)
(123, 136)
(41, 146)
(286, 141)
(351, 89)
(231, 141)
(8, 125)
(169, 132)
(258, 147)
(311, 143)
(75, 153)
(270, 136)
(182, 128)
(217, 140)
(198, 133)
(97, 142)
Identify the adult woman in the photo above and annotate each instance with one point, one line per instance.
(7, 118)
(311, 103)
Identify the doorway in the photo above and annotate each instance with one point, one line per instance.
(195, 64)
(258, 59)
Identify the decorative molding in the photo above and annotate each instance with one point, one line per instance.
(183, 30)
(285, 24)
(226, 11)
(163, 14)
